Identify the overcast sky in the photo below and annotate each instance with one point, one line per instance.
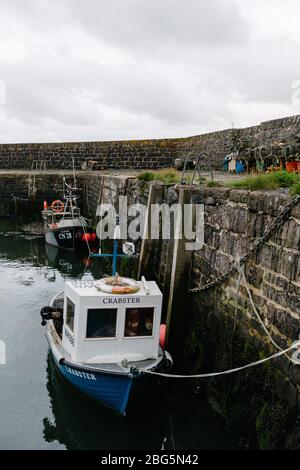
(130, 69)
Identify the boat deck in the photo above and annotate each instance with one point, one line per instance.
(146, 364)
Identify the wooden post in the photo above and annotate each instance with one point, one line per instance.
(176, 310)
(156, 191)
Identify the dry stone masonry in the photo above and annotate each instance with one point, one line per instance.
(155, 153)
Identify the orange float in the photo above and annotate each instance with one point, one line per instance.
(86, 237)
(162, 335)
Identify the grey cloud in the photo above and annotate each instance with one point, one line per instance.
(159, 23)
(136, 68)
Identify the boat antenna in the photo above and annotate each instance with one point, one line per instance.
(74, 173)
(64, 185)
(117, 237)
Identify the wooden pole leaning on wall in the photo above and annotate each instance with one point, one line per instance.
(176, 309)
(155, 194)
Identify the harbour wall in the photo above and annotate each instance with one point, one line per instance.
(23, 193)
(146, 154)
(216, 329)
(234, 220)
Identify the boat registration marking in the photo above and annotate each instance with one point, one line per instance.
(64, 235)
(70, 337)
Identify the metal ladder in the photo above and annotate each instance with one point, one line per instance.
(36, 167)
(198, 158)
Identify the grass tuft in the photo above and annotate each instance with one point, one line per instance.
(146, 176)
(295, 189)
(213, 184)
(167, 176)
(279, 179)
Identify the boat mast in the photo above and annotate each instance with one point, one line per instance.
(74, 174)
(117, 236)
(69, 196)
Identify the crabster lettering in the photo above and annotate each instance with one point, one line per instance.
(78, 373)
(127, 300)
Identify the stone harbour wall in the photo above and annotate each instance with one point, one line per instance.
(234, 220)
(146, 154)
(137, 154)
(262, 403)
(22, 193)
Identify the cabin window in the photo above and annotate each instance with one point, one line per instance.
(139, 322)
(101, 322)
(70, 314)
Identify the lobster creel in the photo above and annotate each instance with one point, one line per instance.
(118, 285)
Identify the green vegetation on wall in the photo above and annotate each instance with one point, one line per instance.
(276, 180)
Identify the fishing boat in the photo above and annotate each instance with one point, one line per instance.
(105, 335)
(64, 226)
(75, 419)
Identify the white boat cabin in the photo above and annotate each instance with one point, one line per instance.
(101, 327)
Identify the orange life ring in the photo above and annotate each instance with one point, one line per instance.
(57, 206)
(118, 285)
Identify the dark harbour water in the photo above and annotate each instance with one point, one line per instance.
(38, 409)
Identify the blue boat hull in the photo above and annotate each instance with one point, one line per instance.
(112, 390)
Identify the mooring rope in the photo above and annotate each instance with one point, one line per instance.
(296, 345)
(277, 222)
(242, 273)
(85, 237)
(239, 268)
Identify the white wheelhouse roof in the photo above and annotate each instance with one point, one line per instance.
(85, 296)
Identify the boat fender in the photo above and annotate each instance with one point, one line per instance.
(86, 237)
(162, 335)
(118, 285)
(57, 206)
(45, 205)
(93, 237)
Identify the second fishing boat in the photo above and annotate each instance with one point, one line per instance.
(64, 226)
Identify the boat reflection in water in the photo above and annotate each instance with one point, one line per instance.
(74, 264)
(67, 262)
(80, 423)
(179, 419)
